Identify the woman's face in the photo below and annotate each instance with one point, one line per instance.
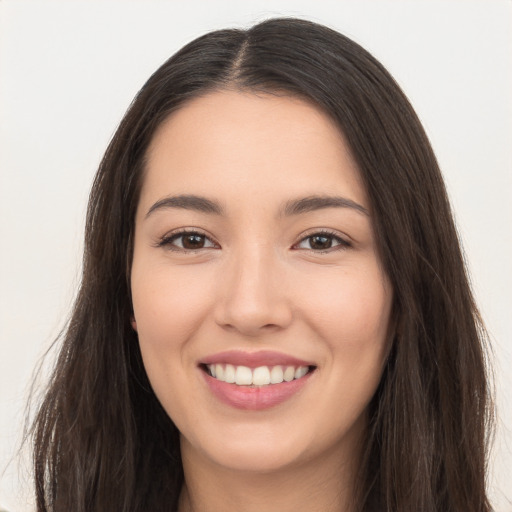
(255, 261)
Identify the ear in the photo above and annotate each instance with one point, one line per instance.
(133, 323)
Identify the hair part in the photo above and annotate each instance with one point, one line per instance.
(102, 441)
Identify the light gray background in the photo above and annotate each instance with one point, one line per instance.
(68, 71)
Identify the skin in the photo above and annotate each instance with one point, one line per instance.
(259, 283)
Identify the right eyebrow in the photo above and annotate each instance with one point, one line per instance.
(313, 203)
(187, 202)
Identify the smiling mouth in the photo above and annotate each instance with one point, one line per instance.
(256, 377)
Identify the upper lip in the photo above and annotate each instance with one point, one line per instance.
(254, 359)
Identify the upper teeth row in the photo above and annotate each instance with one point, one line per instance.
(261, 376)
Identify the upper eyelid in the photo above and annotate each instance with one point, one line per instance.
(302, 236)
(188, 231)
(314, 231)
(326, 232)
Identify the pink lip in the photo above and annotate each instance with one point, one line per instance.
(258, 397)
(254, 359)
(254, 398)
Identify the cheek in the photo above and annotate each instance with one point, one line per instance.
(168, 308)
(350, 317)
(168, 305)
(350, 310)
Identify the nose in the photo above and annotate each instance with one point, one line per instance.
(253, 297)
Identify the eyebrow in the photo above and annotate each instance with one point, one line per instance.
(312, 203)
(188, 202)
(290, 208)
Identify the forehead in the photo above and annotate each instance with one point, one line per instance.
(252, 146)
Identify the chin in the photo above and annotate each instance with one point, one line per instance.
(256, 458)
(255, 448)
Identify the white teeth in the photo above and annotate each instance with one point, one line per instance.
(289, 373)
(301, 371)
(276, 375)
(261, 376)
(243, 376)
(229, 374)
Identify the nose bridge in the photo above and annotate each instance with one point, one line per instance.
(253, 273)
(253, 295)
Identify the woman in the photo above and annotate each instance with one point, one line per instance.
(274, 310)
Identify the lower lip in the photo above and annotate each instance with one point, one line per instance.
(255, 398)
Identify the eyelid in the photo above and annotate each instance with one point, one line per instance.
(344, 241)
(165, 241)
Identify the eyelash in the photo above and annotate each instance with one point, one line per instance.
(342, 243)
(167, 241)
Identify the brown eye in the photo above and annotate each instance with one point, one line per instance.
(193, 241)
(186, 241)
(322, 242)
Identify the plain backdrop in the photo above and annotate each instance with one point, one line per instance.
(68, 71)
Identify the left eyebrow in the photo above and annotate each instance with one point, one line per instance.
(312, 203)
(188, 202)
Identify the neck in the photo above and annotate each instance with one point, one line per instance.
(325, 484)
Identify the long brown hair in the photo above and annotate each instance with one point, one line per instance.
(102, 441)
